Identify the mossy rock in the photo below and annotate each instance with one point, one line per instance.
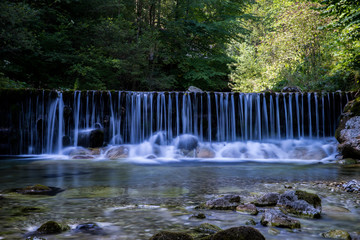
(164, 235)
(337, 234)
(52, 227)
(239, 233)
(311, 198)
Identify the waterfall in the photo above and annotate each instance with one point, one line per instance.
(49, 119)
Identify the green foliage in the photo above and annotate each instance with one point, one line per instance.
(117, 44)
(289, 46)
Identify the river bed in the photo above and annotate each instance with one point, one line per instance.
(134, 201)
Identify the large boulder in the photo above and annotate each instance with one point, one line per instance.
(239, 233)
(348, 131)
(301, 203)
(227, 202)
(186, 142)
(275, 218)
(117, 152)
(91, 138)
(349, 138)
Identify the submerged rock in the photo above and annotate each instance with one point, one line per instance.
(337, 234)
(207, 228)
(251, 221)
(52, 227)
(247, 208)
(275, 218)
(82, 157)
(239, 233)
(117, 152)
(198, 216)
(163, 235)
(269, 199)
(187, 142)
(90, 228)
(37, 189)
(301, 203)
(227, 202)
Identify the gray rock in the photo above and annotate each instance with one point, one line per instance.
(239, 233)
(227, 202)
(337, 234)
(187, 142)
(300, 203)
(194, 89)
(275, 218)
(269, 199)
(247, 208)
(117, 152)
(349, 138)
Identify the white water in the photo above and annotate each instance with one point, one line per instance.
(256, 121)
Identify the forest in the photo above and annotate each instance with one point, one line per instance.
(161, 45)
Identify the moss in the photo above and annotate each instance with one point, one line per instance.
(52, 227)
(37, 187)
(239, 233)
(207, 228)
(311, 198)
(163, 235)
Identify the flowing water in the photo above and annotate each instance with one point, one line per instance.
(254, 143)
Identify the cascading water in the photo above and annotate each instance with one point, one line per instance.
(46, 122)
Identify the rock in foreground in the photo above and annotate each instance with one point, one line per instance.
(171, 236)
(239, 233)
